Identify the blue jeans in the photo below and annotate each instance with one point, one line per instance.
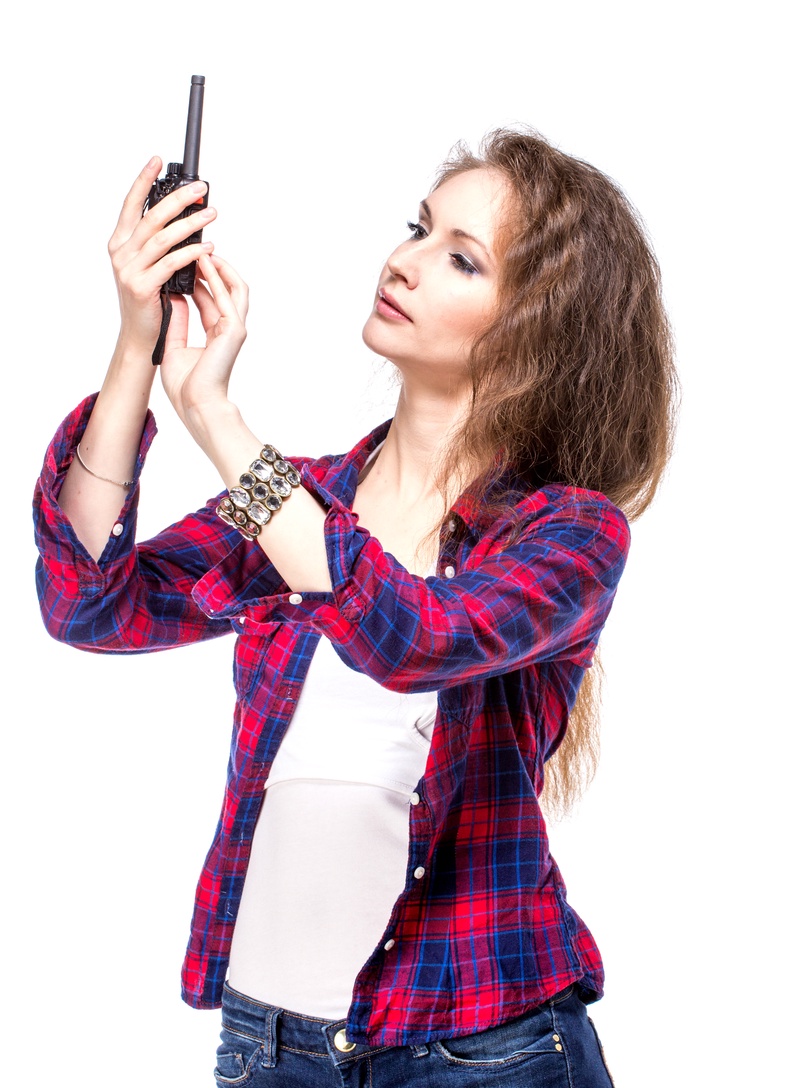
(554, 1046)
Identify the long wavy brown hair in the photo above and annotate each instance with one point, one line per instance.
(573, 381)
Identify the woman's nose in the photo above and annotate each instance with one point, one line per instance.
(404, 265)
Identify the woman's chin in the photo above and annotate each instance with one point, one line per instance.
(375, 341)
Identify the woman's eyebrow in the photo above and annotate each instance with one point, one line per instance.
(457, 232)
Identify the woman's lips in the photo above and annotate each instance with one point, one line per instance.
(387, 306)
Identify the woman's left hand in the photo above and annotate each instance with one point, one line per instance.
(196, 382)
(196, 379)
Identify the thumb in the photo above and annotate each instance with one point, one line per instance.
(178, 329)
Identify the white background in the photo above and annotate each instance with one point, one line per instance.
(323, 126)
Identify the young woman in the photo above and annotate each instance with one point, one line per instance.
(414, 621)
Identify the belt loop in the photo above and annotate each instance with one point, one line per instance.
(419, 1051)
(270, 1059)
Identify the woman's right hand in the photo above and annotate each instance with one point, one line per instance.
(140, 252)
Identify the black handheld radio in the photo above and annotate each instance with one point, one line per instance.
(178, 174)
(184, 173)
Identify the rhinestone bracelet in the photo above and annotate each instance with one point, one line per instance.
(261, 493)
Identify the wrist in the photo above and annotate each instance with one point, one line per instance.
(218, 428)
(128, 381)
(137, 337)
(213, 422)
(132, 358)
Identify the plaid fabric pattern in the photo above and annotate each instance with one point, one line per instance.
(504, 632)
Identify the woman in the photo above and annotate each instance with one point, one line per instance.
(414, 620)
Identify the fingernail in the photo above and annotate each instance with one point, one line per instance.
(208, 246)
(207, 213)
(197, 187)
(151, 162)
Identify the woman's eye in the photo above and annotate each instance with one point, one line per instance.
(417, 230)
(463, 264)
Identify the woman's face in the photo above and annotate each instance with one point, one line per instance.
(437, 290)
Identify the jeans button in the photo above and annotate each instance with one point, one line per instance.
(341, 1042)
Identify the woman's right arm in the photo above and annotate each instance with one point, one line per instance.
(97, 589)
(139, 250)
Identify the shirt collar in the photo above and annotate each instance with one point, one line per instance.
(477, 512)
(341, 476)
(479, 508)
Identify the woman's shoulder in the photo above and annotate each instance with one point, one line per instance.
(554, 516)
(564, 504)
(526, 506)
(568, 499)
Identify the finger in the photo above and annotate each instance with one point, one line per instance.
(231, 320)
(153, 247)
(217, 287)
(237, 288)
(178, 328)
(164, 224)
(206, 307)
(161, 229)
(132, 205)
(147, 281)
(173, 205)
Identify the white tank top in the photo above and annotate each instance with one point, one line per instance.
(330, 849)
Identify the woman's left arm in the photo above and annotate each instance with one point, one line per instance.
(196, 382)
(545, 597)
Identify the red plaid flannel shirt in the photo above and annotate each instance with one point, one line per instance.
(503, 632)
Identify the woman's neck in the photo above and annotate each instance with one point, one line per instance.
(409, 462)
(400, 499)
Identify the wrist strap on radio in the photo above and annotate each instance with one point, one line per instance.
(166, 314)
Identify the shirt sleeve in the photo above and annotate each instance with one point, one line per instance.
(133, 599)
(543, 597)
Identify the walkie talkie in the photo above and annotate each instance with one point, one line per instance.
(178, 174)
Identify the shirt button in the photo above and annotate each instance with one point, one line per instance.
(389, 945)
(117, 530)
(241, 620)
(419, 873)
(414, 798)
(449, 572)
(341, 1042)
(295, 598)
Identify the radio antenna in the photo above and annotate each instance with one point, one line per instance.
(194, 120)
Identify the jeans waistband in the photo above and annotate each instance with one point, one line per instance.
(293, 1031)
(274, 1026)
